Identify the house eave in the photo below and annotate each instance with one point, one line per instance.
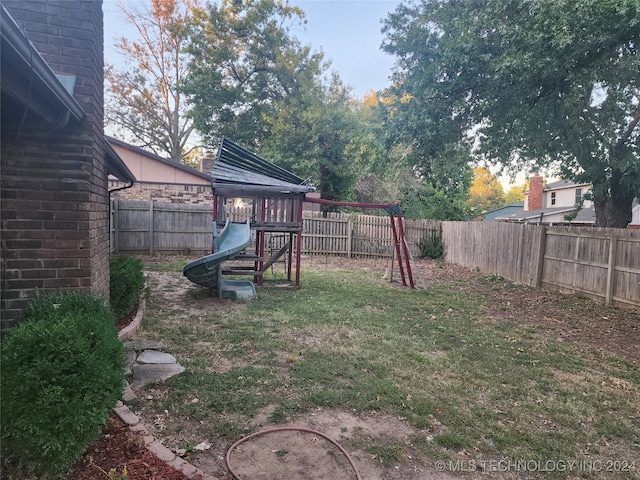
(27, 77)
(116, 166)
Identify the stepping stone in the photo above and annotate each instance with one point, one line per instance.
(143, 344)
(153, 356)
(153, 373)
(130, 359)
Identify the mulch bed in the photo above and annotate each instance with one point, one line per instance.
(119, 448)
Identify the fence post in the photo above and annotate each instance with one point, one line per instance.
(151, 227)
(349, 236)
(541, 250)
(611, 267)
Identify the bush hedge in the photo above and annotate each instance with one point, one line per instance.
(431, 246)
(127, 283)
(62, 371)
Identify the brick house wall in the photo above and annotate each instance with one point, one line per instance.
(193, 194)
(54, 197)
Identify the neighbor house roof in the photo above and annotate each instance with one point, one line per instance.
(563, 184)
(29, 86)
(116, 166)
(551, 215)
(153, 156)
(492, 215)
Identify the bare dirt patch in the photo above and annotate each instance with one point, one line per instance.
(304, 454)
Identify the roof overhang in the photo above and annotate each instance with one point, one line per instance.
(116, 166)
(27, 81)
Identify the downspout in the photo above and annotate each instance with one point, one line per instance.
(131, 182)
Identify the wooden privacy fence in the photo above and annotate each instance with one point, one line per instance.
(164, 227)
(144, 226)
(603, 264)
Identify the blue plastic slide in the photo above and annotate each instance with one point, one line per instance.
(207, 271)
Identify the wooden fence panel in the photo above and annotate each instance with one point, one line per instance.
(176, 225)
(151, 227)
(133, 226)
(626, 284)
(603, 264)
(505, 249)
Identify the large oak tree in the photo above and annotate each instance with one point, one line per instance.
(536, 82)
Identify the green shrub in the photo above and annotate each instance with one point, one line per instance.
(431, 246)
(127, 283)
(62, 371)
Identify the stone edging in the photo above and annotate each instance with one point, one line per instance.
(135, 425)
(157, 448)
(132, 328)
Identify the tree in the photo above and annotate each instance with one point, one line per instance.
(485, 192)
(420, 140)
(318, 135)
(544, 82)
(423, 200)
(252, 80)
(244, 60)
(143, 97)
(515, 194)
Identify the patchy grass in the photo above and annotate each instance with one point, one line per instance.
(489, 388)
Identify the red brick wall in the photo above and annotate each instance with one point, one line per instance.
(54, 198)
(164, 193)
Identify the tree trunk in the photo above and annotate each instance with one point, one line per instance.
(613, 208)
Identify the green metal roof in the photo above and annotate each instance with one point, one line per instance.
(237, 165)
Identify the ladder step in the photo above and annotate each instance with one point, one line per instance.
(246, 257)
(248, 273)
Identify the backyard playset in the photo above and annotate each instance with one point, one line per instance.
(277, 197)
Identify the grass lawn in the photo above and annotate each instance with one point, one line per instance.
(475, 383)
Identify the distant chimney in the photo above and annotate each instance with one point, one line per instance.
(536, 187)
(207, 165)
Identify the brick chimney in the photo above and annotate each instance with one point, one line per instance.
(207, 165)
(536, 187)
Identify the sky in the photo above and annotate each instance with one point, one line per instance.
(347, 31)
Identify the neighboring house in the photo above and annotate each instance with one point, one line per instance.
(559, 194)
(54, 157)
(161, 179)
(635, 215)
(555, 204)
(505, 210)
